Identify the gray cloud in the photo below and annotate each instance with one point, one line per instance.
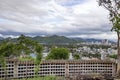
(47, 17)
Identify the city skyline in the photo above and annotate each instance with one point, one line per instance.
(71, 18)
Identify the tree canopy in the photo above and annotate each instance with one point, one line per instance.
(113, 6)
(24, 45)
(58, 53)
(77, 56)
(114, 56)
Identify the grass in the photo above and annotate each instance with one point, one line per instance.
(40, 78)
(26, 58)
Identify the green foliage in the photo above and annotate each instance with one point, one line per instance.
(26, 45)
(114, 56)
(27, 58)
(54, 39)
(38, 58)
(38, 48)
(50, 78)
(6, 48)
(96, 55)
(113, 6)
(76, 56)
(43, 78)
(23, 45)
(58, 53)
(90, 55)
(2, 61)
(116, 23)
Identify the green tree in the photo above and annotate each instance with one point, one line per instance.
(113, 6)
(58, 53)
(76, 56)
(96, 55)
(38, 50)
(24, 45)
(6, 50)
(28, 46)
(114, 56)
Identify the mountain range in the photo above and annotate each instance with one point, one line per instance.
(54, 39)
(59, 39)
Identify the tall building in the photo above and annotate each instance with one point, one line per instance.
(103, 55)
(105, 42)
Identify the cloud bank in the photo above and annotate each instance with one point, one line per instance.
(72, 18)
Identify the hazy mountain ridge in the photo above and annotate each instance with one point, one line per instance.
(92, 40)
(54, 39)
(58, 39)
(1, 38)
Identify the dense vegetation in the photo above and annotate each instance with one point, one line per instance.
(42, 78)
(58, 53)
(23, 46)
(77, 56)
(54, 39)
(90, 55)
(114, 56)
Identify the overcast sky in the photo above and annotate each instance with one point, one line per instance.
(72, 18)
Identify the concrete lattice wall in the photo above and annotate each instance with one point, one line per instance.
(66, 68)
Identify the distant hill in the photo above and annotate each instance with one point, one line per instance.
(1, 38)
(47, 39)
(78, 39)
(57, 39)
(91, 40)
(54, 39)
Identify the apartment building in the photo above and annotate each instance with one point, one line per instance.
(65, 68)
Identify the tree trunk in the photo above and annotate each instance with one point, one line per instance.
(118, 47)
